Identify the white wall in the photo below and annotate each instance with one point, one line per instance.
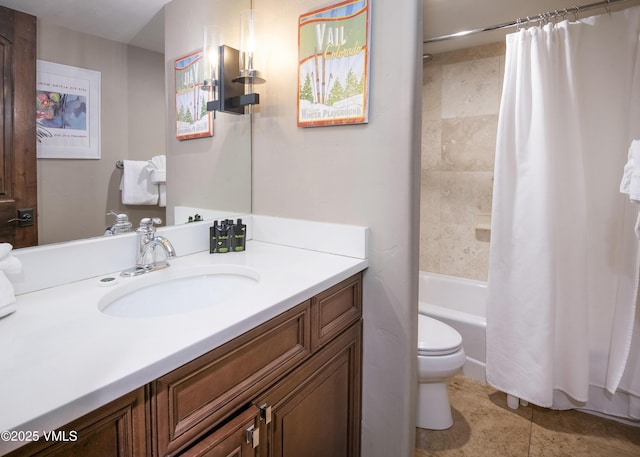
(362, 174)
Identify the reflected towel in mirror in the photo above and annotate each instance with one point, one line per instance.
(136, 185)
(158, 167)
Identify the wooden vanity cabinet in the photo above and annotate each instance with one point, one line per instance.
(118, 429)
(290, 387)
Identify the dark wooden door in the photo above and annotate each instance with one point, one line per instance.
(18, 182)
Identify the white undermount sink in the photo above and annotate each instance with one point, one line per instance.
(177, 290)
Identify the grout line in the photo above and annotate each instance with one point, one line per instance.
(530, 433)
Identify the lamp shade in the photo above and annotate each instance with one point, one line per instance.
(212, 39)
(249, 53)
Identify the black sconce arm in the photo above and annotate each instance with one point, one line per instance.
(231, 95)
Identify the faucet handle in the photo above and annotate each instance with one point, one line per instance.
(146, 223)
(149, 221)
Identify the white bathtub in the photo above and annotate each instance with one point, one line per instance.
(460, 303)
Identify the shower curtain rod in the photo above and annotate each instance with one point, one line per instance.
(542, 17)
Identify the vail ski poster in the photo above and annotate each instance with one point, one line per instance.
(192, 118)
(333, 68)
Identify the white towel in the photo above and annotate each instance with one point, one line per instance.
(158, 168)
(7, 296)
(630, 183)
(5, 250)
(8, 264)
(136, 185)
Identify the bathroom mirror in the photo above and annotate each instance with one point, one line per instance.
(137, 111)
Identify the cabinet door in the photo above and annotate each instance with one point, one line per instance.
(315, 411)
(118, 429)
(233, 439)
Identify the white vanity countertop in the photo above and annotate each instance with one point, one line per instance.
(62, 357)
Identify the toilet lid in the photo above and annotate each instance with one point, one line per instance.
(436, 338)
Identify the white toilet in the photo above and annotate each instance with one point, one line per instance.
(440, 356)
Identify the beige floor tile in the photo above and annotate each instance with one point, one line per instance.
(483, 425)
(571, 433)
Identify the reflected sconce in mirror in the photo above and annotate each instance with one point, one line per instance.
(210, 52)
(231, 72)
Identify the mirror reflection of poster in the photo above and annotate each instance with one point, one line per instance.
(67, 112)
(333, 67)
(192, 118)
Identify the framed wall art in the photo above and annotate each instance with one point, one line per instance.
(333, 67)
(67, 112)
(192, 118)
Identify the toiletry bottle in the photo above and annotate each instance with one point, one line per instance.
(239, 236)
(213, 237)
(223, 242)
(122, 224)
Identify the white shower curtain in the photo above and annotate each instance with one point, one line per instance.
(564, 256)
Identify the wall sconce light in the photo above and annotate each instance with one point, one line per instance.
(228, 89)
(248, 49)
(210, 51)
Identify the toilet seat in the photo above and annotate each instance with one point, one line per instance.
(436, 338)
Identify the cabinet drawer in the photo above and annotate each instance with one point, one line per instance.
(230, 439)
(196, 397)
(335, 309)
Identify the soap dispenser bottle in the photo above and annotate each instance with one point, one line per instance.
(238, 239)
(219, 237)
(223, 241)
(213, 237)
(122, 224)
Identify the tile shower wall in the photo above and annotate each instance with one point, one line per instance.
(461, 98)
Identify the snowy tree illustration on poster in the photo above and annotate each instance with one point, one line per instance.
(192, 118)
(333, 68)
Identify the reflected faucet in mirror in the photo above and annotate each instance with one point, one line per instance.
(147, 244)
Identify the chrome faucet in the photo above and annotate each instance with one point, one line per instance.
(147, 244)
